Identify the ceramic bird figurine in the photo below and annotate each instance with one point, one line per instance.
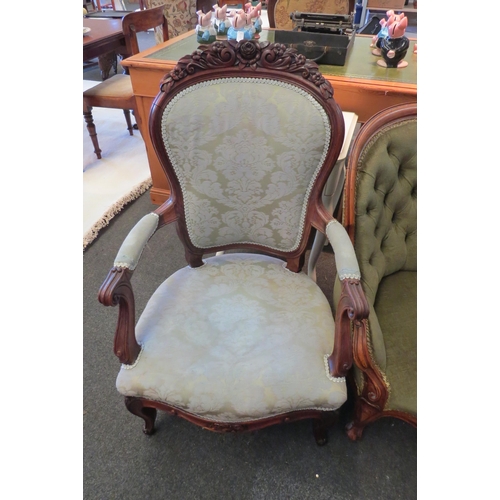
(395, 45)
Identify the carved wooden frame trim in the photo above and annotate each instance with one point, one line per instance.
(371, 403)
(117, 290)
(147, 409)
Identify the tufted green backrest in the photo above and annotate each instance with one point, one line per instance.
(386, 205)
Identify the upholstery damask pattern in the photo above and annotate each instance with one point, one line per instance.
(284, 8)
(245, 177)
(239, 338)
(181, 16)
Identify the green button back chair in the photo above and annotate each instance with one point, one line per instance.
(380, 216)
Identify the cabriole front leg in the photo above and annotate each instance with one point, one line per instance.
(148, 414)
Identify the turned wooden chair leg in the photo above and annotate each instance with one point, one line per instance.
(130, 129)
(87, 114)
(321, 426)
(136, 406)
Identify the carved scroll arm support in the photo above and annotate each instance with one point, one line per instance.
(117, 287)
(353, 306)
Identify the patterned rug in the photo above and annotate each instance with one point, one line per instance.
(119, 177)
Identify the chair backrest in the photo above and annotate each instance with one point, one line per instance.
(143, 20)
(278, 11)
(380, 195)
(247, 135)
(181, 16)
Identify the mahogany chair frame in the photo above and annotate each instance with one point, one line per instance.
(132, 23)
(370, 404)
(254, 60)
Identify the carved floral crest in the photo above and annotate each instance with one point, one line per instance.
(247, 56)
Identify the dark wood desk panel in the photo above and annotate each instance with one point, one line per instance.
(105, 40)
(361, 86)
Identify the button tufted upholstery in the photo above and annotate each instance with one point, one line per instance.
(380, 215)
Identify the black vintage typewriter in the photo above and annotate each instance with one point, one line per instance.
(324, 38)
(334, 24)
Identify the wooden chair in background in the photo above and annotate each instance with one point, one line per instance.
(116, 92)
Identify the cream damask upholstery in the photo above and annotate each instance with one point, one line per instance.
(247, 134)
(243, 176)
(221, 327)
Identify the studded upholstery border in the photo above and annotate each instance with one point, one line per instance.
(239, 338)
(245, 172)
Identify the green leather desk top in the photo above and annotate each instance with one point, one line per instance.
(360, 62)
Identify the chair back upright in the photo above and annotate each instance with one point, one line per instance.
(143, 20)
(247, 135)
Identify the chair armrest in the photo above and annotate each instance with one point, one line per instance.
(117, 287)
(131, 250)
(345, 257)
(353, 306)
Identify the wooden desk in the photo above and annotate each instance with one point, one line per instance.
(361, 86)
(105, 40)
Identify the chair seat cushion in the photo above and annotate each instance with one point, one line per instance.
(239, 338)
(399, 327)
(118, 86)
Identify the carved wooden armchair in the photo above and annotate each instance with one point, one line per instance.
(380, 215)
(247, 135)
